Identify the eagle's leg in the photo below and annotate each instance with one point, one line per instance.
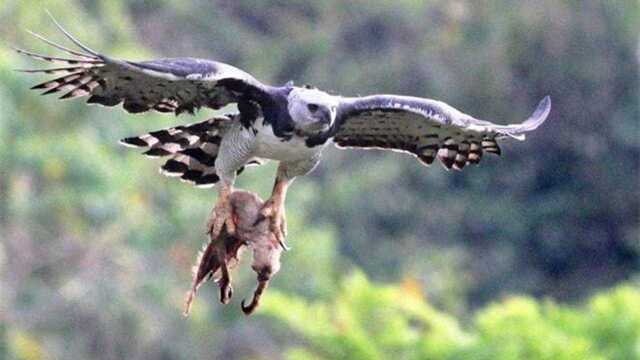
(273, 208)
(222, 213)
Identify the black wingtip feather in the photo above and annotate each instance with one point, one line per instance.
(134, 141)
(103, 100)
(191, 175)
(200, 155)
(38, 86)
(156, 152)
(135, 108)
(208, 179)
(51, 91)
(174, 167)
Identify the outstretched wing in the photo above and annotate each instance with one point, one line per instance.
(166, 85)
(425, 128)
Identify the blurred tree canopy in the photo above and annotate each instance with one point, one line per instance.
(96, 248)
(367, 321)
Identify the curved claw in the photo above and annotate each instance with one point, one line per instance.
(283, 233)
(284, 246)
(283, 226)
(280, 236)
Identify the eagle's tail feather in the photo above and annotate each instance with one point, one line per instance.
(192, 150)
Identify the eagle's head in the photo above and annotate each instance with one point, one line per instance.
(312, 111)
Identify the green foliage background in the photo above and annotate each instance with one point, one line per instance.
(532, 256)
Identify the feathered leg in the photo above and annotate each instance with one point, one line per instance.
(273, 208)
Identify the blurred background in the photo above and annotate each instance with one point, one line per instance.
(535, 255)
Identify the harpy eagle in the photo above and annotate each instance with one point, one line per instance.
(288, 124)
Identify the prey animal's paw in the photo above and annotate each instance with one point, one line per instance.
(226, 291)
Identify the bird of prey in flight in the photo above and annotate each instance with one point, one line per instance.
(288, 124)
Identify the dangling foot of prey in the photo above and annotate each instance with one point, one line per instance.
(263, 282)
(224, 283)
(273, 210)
(222, 214)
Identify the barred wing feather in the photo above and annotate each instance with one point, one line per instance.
(191, 150)
(427, 129)
(166, 85)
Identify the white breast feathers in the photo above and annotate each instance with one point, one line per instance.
(269, 146)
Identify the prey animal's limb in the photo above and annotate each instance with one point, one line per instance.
(222, 219)
(224, 283)
(263, 283)
(211, 260)
(266, 263)
(222, 253)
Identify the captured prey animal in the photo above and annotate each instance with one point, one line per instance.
(288, 124)
(222, 253)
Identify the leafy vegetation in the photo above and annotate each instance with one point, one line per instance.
(370, 321)
(96, 248)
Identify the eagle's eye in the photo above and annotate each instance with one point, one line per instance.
(313, 107)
